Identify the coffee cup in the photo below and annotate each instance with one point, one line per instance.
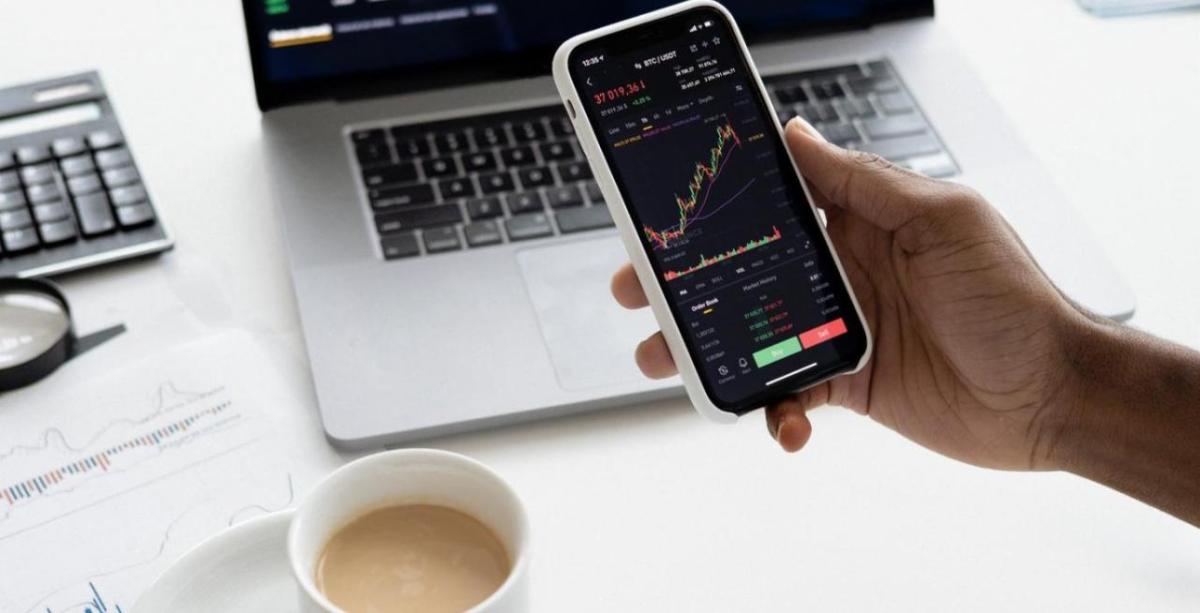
(393, 479)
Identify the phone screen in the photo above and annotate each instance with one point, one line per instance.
(734, 243)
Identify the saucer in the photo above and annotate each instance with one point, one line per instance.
(244, 568)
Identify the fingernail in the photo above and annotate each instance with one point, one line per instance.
(778, 430)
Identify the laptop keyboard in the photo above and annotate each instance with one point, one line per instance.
(485, 180)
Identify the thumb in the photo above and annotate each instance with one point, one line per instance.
(861, 183)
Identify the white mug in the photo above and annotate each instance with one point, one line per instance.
(410, 476)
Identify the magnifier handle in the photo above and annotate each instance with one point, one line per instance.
(83, 343)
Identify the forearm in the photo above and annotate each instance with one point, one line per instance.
(1135, 425)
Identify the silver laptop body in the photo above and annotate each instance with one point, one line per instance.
(424, 346)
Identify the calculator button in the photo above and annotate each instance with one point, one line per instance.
(9, 180)
(43, 193)
(51, 211)
(11, 200)
(130, 194)
(63, 147)
(16, 218)
(135, 215)
(120, 176)
(76, 165)
(6, 159)
(85, 184)
(58, 231)
(41, 173)
(20, 239)
(95, 215)
(113, 158)
(32, 154)
(103, 139)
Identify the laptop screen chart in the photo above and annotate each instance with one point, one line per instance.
(718, 208)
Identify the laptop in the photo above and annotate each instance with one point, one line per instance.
(449, 250)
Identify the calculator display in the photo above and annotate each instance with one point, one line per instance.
(49, 119)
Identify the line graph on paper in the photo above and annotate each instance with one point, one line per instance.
(62, 475)
(110, 484)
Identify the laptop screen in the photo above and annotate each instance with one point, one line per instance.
(310, 49)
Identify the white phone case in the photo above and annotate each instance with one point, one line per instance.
(590, 143)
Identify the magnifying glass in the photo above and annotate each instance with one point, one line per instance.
(36, 332)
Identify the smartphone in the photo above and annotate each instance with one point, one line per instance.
(685, 145)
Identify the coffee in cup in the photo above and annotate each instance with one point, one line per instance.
(413, 557)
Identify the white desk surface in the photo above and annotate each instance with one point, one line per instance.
(649, 508)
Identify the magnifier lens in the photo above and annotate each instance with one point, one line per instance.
(30, 324)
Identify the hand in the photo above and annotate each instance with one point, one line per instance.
(972, 341)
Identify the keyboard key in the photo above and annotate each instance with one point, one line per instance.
(43, 193)
(408, 195)
(517, 156)
(33, 154)
(484, 208)
(574, 171)
(580, 219)
(496, 183)
(451, 142)
(58, 231)
(130, 194)
(365, 136)
(12, 200)
(136, 215)
(561, 126)
(21, 239)
(593, 192)
(441, 167)
(9, 180)
(479, 161)
(103, 139)
(557, 151)
(482, 233)
(84, 184)
(410, 219)
(457, 188)
(95, 214)
(411, 146)
(565, 196)
(51, 211)
(524, 227)
(41, 173)
(878, 85)
(896, 104)
(529, 131)
(16, 218)
(77, 165)
(63, 147)
(888, 127)
(404, 172)
(369, 154)
(839, 133)
(791, 94)
(819, 111)
(827, 90)
(492, 136)
(905, 146)
(440, 239)
(400, 246)
(854, 108)
(535, 177)
(6, 159)
(118, 177)
(113, 158)
(524, 202)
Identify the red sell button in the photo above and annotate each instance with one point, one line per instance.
(820, 334)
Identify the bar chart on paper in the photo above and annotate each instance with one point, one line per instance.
(176, 450)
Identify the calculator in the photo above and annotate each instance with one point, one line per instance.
(71, 195)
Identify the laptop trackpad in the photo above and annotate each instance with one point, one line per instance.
(590, 338)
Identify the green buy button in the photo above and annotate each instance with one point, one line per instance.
(777, 352)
